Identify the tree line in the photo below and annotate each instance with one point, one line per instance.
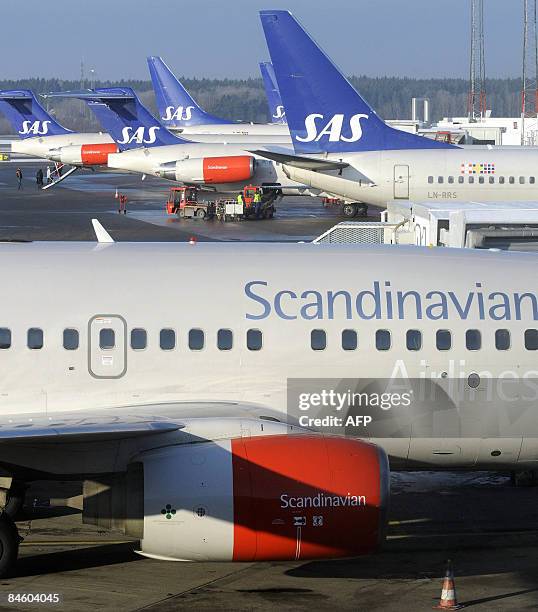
(244, 99)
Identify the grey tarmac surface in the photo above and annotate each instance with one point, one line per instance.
(64, 212)
(485, 525)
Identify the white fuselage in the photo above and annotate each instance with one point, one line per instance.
(453, 175)
(41, 146)
(285, 292)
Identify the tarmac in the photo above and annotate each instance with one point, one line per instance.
(485, 525)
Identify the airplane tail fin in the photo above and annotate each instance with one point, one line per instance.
(176, 106)
(276, 108)
(325, 112)
(26, 115)
(124, 117)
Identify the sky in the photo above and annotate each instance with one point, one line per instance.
(217, 39)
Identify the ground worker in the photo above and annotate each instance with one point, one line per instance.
(48, 175)
(257, 203)
(240, 198)
(18, 174)
(39, 178)
(123, 204)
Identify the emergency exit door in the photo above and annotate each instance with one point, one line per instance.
(401, 182)
(107, 346)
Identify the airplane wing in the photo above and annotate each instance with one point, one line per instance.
(129, 421)
(298, 161)
(73, 427)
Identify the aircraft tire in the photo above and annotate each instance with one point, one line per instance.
(350, 210)
(9, 545)
(15, 499)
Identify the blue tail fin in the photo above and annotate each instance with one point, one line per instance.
(26, 115)
(124, 117)
(175, 105)
(276, 108)
(324, 111)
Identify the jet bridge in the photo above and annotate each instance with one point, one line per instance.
(478, 225)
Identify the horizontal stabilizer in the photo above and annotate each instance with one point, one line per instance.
(27, 116)
(298, 161)
(124, 117)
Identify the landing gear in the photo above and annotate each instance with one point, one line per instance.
(352, 209)
(15, 498)
(9, 545)
(349, 210)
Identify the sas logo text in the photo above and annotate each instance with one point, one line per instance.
(37, 128)
(130, 135)
(332, 128)
(280, 112)
(180, 113)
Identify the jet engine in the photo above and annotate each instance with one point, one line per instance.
(84, 155)
(276, 497)
(209, 170)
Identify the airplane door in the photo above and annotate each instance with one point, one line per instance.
(107, 346)
(401, 182)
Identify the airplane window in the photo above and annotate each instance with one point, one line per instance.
(167, 339)
(531, 339)
(430, 179)
(501, 180)
(5, 338)
(521, 180)
(511, 180)
(196, 339)
(461, 179)
(471, 179)
(349, 339)
(502, 339)
(473, 340)
(382, 340)
(35, 338)
(481, 180)
(443, 340)
(318, 340)
(440, 179)
(414, 340)
(139, 339)
(225, 339)
(450, 179)
(70, 339)
(107, 338)
(531, 180)
(254, 339)
(491, 180)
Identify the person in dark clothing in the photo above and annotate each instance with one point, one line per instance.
(39, 178)
(18, 174)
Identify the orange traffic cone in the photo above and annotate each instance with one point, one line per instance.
(448, 599)
(192, 240)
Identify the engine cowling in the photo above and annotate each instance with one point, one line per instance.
(85, 154)
(210, 170)
(265, 498)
